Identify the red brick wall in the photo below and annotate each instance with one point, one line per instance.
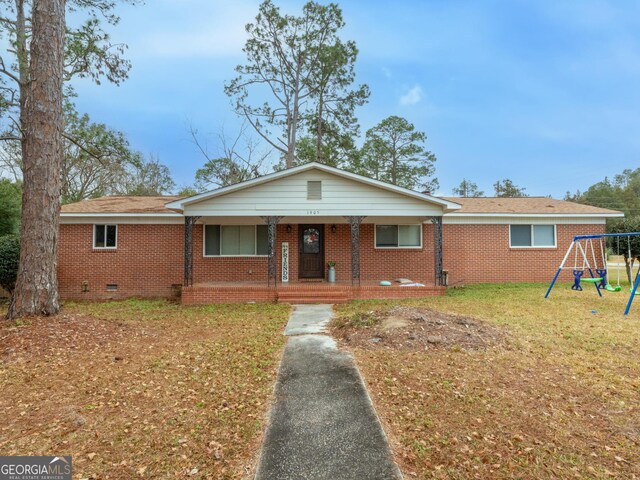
(147, 262)
(481, 253)
(149, 259)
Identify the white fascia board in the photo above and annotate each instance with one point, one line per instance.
(107, 214)
(122, 218)
(180, 204)
(541, 215)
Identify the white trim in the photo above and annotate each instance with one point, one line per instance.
(538, 220)
(122, 218)
(180, 204)
(399, 247)
(105, 225)
(525, 247)
(541, 215)
(255, 241)
(107, 214)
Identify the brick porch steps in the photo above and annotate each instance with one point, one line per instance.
(303, 292)
(298, 296)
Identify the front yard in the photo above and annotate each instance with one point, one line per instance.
(534, 389)
(141, 389)
(491, 381)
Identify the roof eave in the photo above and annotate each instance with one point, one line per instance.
(118, 214)
(555, 214)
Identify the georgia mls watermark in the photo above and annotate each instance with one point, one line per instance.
(35, 468)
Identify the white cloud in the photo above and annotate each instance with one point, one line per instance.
(413, 96)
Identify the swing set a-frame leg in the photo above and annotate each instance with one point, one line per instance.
(633, 294)
(564, 260)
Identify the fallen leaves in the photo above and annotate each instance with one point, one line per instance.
(545, 405)
(141, 389)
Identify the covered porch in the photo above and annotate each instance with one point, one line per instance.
(292, 264)
(269, 236)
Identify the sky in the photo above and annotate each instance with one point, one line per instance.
(546, 93)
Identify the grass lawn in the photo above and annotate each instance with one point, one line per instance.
(139, 389)
(557, 397)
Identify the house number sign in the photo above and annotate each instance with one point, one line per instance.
(313, 212)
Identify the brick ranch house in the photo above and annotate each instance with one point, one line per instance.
(269, 239)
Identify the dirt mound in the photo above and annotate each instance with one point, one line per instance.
(415, 328)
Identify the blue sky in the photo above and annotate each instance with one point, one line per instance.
(546, 93)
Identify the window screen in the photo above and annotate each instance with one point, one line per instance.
(397, 236)
(386, 235)
(105, 236)
(262, 240)
(544, 236)
(212, 239)
(520, 235)
(236, 240)
(533, 236)
(409, 235)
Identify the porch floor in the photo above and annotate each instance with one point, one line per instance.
(301, 292)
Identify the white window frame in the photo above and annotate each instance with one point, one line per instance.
(255, 241)
(105, 225)
(399, 247)
(531, 225)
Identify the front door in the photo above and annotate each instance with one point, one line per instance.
(311, 251)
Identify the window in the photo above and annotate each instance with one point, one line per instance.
(533, 235)
(314, 190)
(105, 236)
(398, 236)
(235, 240)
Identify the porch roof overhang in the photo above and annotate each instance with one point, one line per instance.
(283, 194)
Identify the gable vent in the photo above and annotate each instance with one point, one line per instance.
(314, 190)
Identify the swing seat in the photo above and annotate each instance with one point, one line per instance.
(610, 288)
(591, 280)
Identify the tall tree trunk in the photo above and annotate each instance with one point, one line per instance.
(290, 156)
(36, 290)
(319, 158)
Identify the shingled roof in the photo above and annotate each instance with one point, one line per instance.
(525, 205)
(481, 205)
(123, 204)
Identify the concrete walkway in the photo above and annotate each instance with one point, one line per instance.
(308, 319)
(322, 424)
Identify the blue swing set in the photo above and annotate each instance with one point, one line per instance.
(582, 246)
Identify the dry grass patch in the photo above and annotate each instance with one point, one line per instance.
(559, 399)
(141, 389)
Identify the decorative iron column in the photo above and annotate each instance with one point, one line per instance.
(189, 222)
(354, 222)
(437, 249)
(272, 224)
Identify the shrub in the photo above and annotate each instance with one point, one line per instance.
(9, 258)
